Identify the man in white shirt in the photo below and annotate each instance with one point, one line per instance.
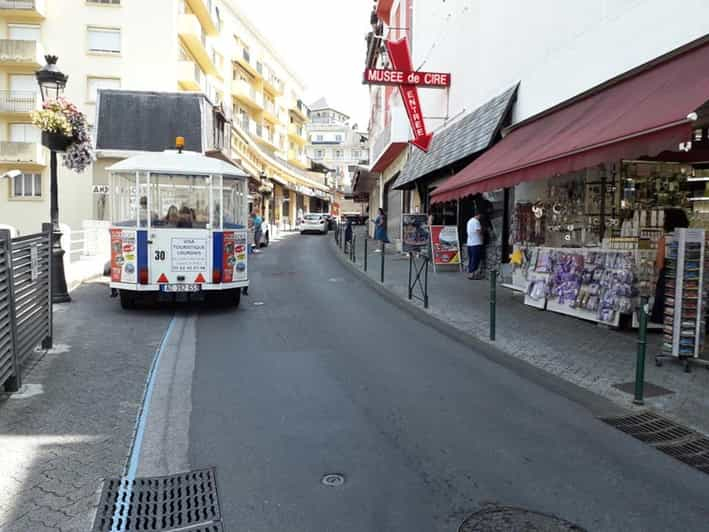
(475, 244)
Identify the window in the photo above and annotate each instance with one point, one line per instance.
(105, 2)
(94, 84)
(356, 154)
(24, 133)
(23, 83)
(23, 32)
(338, 154)
(27, 186)
(318, 154)
(105, 40)
(319, 138)
(338, 138)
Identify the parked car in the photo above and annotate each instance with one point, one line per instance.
(314, 223)
(357, 219)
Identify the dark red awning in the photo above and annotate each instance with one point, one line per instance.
(384, 10)
(639, 116)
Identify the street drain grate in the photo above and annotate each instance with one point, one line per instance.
(672, 439)
(186, 501)
(499, 518)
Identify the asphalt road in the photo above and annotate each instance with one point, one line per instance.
(317, 374)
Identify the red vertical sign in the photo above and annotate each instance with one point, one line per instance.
(401, 59)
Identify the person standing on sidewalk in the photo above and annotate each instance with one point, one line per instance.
(474, 243)
(380, 228)
(257, 222)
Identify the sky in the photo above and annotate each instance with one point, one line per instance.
(323, 43)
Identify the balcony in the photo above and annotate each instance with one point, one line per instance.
(23, 9)
(18, 104)
(248, 95)
(299, 109)
(204, 11)
(26, 153)
(266, 137)
(272, 83)
(189, 76)
(190, 31)
(248, 62)
(299, 159)
(269, 111)
(296, 133)
(21, 53)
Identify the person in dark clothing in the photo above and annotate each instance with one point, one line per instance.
(674, 219)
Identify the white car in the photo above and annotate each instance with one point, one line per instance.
(314, 223)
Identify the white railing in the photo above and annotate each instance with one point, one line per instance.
(93, 240)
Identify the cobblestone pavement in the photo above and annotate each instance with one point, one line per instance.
(581, 352)
(73, 422)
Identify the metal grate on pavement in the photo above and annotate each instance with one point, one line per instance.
(672, 439)
(184, 501)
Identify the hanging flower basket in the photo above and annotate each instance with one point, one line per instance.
(56, 141)
(65, 129)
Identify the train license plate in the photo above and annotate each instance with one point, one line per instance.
(180, 287)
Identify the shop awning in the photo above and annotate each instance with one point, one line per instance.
(470, 135)
(637, 115)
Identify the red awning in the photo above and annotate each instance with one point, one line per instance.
(639, 116)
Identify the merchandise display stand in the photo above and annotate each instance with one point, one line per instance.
(685, 297)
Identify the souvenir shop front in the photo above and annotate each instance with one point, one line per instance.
(595, 183)
(585, 244)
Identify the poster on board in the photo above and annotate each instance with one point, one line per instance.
(415, 235)
(445, 245)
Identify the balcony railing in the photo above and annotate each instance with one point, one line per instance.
(246, 55)
(270, 106)
(29, 5)
(20, 52)
(18, 101)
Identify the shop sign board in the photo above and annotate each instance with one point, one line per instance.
(408, 80)
(360, 197)
(415, 235)
(382, 76)
(445, 244)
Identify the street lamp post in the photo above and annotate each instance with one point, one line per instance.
(51, 84)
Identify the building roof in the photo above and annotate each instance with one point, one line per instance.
(148, 121)
(470, 135)
(322, 103)
(173, 162)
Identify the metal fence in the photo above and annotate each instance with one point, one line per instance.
(25, 301)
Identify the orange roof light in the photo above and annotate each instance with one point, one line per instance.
(180, 143)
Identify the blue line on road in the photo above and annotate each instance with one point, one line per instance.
(120, 514)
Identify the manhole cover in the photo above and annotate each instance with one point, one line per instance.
(185, 501)
(504, 519)
(333, 480)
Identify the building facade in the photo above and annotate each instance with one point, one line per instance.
(203, 46)
(551, 58)
(338, 145)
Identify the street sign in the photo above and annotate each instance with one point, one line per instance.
(408, 80)
(380, 76)
(101, 189)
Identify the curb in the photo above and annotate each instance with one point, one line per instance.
(598, 405)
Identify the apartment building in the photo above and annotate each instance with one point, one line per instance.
(335, 143)
(203, 46)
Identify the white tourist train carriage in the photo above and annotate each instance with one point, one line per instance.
(179, 228)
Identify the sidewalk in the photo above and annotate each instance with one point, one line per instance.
(73, 422)
(588, 355)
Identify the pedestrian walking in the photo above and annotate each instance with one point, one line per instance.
(380, 228)
(474, 244)
(348, 234)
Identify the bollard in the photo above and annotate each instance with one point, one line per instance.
(411, 266)
(642, 347)
(425, 285)
(353, 254)
(493, 303)
(366, 239)
(381, 273)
